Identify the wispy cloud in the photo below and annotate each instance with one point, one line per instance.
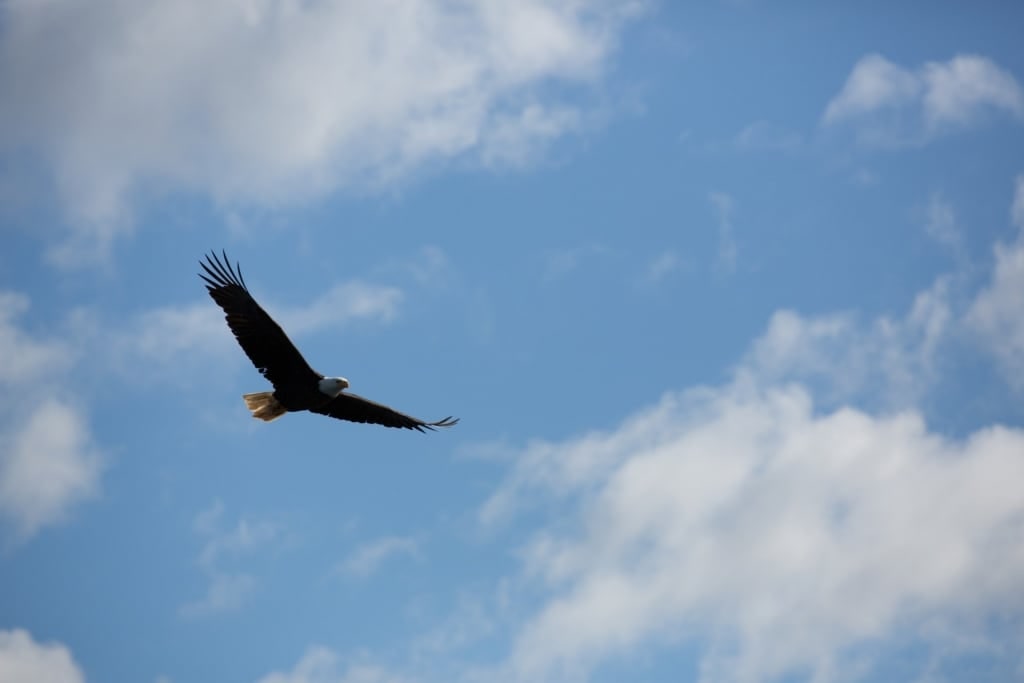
(471, 621)
(166, 334)
(428, 267)
(342, 304)
(891, 104)
(224, 593)
(367, 558)
(173, 337)
(724, 208)
(321, 665)
(228, 587)
(560, 262)
(996, 315)
(518, 138)
(245, 537)
(764, 135)
(264, 103)
(22, 658)
(662, 266)
(941, 224)
(28, 357)
(48, 459)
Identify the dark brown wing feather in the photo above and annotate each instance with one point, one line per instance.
(354, 408)
(262, 339)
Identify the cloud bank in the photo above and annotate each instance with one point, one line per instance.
(271, 101)
(792, 542)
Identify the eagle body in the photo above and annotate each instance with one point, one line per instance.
(270, 405)
(297, 386)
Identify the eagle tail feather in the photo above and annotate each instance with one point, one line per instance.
(264, 406)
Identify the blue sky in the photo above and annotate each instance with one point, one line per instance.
(729, 299)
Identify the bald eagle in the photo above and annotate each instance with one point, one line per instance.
(296, 385)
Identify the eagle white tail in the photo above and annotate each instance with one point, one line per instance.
(264, 406)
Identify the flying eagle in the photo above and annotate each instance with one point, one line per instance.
(296, 385)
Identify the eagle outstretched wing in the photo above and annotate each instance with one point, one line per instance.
(262, 339)
(355, 408)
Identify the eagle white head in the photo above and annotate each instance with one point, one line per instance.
(332, 386)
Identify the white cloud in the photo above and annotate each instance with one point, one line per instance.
(961, 90)
(893, 104)
(997, 313)
(48, 465)
(24, 659)
(368, 557)
(267, 102)
(887, 363)
(321, 665)
(48, 461)
(875, 83)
